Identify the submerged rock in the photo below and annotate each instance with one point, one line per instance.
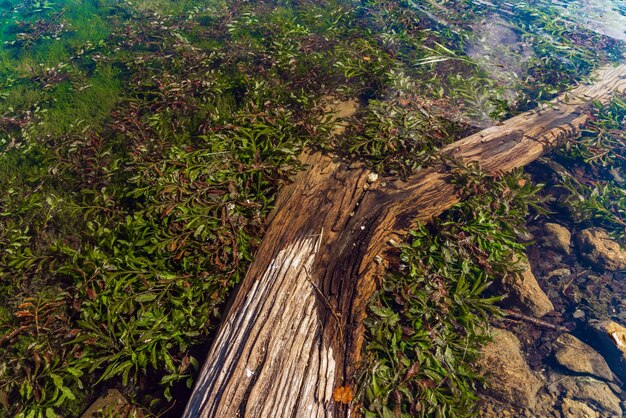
(578, 357)
(596, 247)
(593, 393)
(576, 409)
(557, 237)
(610, 341)
(524, 292)
(113, 404)
(524, 236)
(508, 375)
(560, 272)
(340, 110)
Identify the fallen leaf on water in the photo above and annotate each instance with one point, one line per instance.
(343, 394)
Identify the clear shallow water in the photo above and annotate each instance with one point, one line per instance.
(141, 145)
(608, 18)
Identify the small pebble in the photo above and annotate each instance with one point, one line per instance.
(372, 177)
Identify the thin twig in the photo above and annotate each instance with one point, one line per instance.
(534, 321)
(328, 305)
(9, 336)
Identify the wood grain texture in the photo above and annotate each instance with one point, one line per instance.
(294, 329)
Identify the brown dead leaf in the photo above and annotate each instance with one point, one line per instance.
(91, 293)
(412, 371)
(343, 394)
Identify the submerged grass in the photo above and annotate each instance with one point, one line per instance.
(593, 171)
(431, 317)
(141, 145)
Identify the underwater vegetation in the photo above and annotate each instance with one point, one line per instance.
(594, 177)
(142, 144)
(431, 317)
(432, 314)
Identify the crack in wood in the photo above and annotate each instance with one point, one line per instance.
(278, 316)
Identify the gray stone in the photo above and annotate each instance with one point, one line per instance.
(508, 376)
(557, 237)
(578, 357)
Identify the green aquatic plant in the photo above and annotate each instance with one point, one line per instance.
(203, 165)
(33, 369)
(603, 204)
(564, 51)
(28, 33)
(594, 178)
(140, 152)
(398, 136)
(427, 323)
(603, 142)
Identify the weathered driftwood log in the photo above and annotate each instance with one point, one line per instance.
(294, 330)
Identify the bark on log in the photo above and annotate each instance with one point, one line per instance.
(294, 330)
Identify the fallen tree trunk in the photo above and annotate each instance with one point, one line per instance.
(294, 330)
